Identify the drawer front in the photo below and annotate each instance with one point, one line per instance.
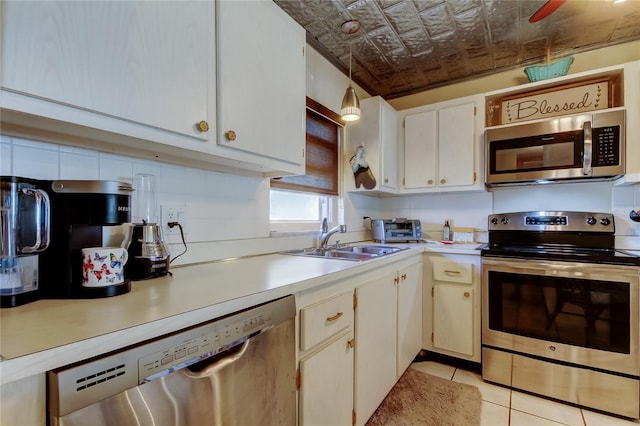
(457, 272)
(324, 319)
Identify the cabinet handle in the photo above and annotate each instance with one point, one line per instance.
(396, 280)
(404, 276)
(202, 126)
(443, 181)
(448, 271)
(430, 182)
(230, 135)
(351, 343)
(467, 294)
(386, 180)
(335, 317)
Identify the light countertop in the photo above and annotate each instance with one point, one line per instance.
(47, 334)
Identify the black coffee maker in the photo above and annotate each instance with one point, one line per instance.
(79, 211)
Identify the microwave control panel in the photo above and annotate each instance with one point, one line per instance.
(606, 146)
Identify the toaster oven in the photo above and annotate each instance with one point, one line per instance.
(396, 230)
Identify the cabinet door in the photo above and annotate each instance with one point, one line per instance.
(420, 139)
(456, 145)
(141, 62)
(326, 392)
(389, 142)
(453, 326)
(261, 80)
(375, 364)
(409, 315)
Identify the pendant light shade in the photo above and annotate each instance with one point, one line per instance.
(350, 110)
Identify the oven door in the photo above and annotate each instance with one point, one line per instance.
(580, 314)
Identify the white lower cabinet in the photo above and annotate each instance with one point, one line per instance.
(388, 333)
(326, 393)
(24, 401)
(325, 374)
(451, 311)
(357, 337)
(409, 315)
(375, 365)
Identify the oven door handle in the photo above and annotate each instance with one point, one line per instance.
(587, 156)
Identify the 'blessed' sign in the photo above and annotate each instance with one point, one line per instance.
(589, 97)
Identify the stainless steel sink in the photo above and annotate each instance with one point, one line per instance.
(356, 252)
(367, 249)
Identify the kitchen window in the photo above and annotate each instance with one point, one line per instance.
(301, 202)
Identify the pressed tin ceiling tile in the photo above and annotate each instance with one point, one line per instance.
(407, 46)
(385, 39)
(437, 20)
(403, 17)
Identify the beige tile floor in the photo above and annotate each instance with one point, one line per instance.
(505, 407)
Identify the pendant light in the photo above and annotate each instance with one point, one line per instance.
(350, 110)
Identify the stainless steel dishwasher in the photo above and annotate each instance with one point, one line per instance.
(235, 370)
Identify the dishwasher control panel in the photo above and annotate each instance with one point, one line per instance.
(216, 338)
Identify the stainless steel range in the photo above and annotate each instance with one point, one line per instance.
(560, 309)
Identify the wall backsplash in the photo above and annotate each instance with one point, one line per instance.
(228, 215)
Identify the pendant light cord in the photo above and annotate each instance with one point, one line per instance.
(349, 65)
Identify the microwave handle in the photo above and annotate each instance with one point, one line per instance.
(588, 149)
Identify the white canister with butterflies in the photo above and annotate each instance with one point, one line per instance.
(103, 266)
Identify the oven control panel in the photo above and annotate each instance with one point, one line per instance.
(552, 221)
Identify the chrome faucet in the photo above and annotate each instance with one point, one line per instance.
(325, 232)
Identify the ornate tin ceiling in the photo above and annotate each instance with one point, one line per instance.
(407, 46)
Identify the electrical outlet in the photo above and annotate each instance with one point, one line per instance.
(173, 213)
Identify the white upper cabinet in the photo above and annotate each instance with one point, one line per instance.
(420, 146)
(443, 146)
(261, 82)
(134, 68)
(376, 133)
(139, 78)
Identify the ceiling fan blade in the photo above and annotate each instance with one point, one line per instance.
(547, 9)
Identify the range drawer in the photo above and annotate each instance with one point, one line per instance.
(457, 272)
(324, 319)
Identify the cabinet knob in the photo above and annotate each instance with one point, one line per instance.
(404, 276)
(430, 181)
(443, 181)
(351, 343)
(467, 294)
(203, 126)
(396, 280)
(386, 180)
(230, 135)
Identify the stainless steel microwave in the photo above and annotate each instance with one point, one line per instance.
(584, 146)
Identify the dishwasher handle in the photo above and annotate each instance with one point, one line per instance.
(213, 364)
(194, 364)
